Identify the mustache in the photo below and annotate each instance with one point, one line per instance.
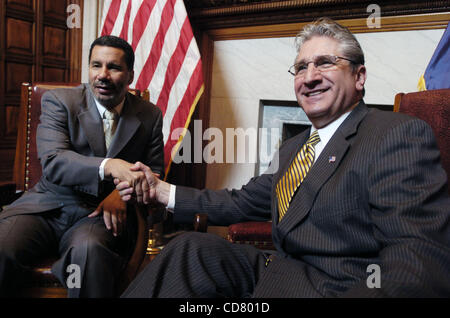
(105, 84)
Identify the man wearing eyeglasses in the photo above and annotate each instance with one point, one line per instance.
(359, 203)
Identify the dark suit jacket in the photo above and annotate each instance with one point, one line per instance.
(382, 200)
(71, 147)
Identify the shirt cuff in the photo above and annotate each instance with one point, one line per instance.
(171, 204)
(101, 169)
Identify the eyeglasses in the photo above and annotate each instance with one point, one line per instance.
(321, 63)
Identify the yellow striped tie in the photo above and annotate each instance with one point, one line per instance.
(294, 176)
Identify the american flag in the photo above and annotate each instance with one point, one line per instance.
(167, 60)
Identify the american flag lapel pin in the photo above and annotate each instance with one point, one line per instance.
(331, 159)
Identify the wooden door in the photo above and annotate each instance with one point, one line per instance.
(36, 44)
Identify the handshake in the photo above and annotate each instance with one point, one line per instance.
(137, 182)
(133, 182)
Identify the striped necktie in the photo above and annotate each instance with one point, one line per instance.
(294, 176)
(109, 126)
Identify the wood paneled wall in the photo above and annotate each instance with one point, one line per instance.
(35, 45)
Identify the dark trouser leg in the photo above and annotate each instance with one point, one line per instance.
(24, 239)
(200, 265)
(89, 245)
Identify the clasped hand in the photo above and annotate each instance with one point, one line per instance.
(127, 191)
(113, 207)
(128, 173)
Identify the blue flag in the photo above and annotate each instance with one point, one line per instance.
(437, 73)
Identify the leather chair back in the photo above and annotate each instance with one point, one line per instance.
(27, 169)
(432, 106)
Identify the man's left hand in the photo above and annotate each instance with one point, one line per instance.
(114, 212)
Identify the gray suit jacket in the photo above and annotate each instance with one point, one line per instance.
(382, 199)
(71, 147)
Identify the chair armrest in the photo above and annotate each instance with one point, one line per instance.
(254, 233)
(258, 234)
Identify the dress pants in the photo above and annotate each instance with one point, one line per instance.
(200, 265)
(69, 233)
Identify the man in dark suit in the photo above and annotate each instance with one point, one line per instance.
(358, 204)
(74, 209)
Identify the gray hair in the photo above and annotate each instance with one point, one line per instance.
(326, 27)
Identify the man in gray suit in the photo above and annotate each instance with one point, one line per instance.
(370, 215)
(74, 209)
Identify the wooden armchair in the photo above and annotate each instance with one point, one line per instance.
(432, 106)
(27, 171)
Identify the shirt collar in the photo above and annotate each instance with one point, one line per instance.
(102, 109)
(328, 131)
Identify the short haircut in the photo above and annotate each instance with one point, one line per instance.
(114, 41)
(326, 27)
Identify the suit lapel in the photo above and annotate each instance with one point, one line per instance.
(128, 124)
(320, 172)
(92, 125)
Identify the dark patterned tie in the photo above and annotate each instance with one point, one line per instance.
(294, 176)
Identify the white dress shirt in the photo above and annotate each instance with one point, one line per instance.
(326, 133)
